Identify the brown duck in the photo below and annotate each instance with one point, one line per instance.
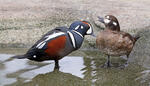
(113, 42)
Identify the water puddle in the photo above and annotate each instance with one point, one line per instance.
(69, 64)
(72, 65)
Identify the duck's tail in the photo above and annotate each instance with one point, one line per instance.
(136, 38)
(20, 56)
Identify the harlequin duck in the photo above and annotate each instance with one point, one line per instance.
(113, 42)
(59, 42)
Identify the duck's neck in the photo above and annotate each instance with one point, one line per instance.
(113, 28)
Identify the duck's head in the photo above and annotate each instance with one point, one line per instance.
(110, 22)
(82, 27)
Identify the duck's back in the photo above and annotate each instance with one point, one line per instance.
(114, 42)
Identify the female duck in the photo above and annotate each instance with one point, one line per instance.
(113, 42)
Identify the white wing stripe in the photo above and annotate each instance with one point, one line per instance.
(42, 45)
(72, 39)
(54, 35)
(48, 37)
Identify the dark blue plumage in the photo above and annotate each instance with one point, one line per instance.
(59, 42)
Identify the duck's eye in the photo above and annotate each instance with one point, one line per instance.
(81, 27)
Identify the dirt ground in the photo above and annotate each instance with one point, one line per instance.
(24, 21)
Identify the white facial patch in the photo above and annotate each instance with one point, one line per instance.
(77, 27)
(114, 23)
(89, 31)
(48, 37)
(106, 21)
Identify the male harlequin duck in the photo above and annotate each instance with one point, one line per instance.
(59, 42)
(113, 42)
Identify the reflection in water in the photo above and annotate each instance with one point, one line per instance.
(23, 70)
(97, 76)
(74, 71)
(55, 78)
(3, 73)
(71, 65)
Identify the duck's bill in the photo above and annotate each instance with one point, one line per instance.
(101, 19)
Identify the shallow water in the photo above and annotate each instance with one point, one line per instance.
(81, 68)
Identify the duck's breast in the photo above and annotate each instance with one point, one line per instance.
(114, 43)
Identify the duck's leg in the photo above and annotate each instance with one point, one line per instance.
(56, 64)
(107, 63)
(126, 63)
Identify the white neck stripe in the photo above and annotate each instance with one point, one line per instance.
(72, 38)
(78, 33)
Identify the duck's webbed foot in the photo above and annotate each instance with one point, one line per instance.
(106, 65)
(125, 64)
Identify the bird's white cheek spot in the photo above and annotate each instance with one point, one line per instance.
(106, 21)
(77, 27)
(114, 23)
(81, 27)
